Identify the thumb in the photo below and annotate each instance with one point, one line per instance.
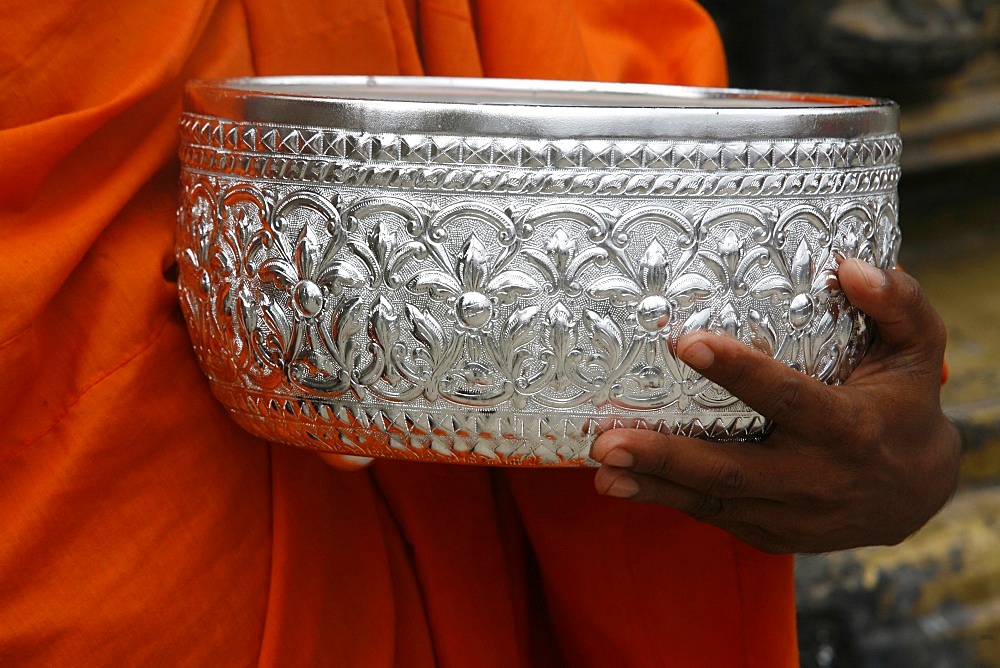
(897, 303)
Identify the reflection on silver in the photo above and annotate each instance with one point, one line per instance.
(502, 299)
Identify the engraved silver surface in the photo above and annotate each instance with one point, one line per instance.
(373, 281)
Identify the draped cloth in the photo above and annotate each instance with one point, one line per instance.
(140, 526)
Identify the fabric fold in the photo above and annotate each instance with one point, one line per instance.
(143, 527)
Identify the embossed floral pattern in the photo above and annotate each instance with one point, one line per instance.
(327, 310)
(474, 286)
(805, 285)
(655, 291)
(401, 308)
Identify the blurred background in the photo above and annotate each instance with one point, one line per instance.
(934, 600)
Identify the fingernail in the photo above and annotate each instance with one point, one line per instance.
(624, 487)
(874, 277)
(698, 355)
(619, 458)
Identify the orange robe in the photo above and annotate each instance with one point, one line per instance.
(140, 526)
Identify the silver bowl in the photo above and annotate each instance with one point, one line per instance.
(495, 271)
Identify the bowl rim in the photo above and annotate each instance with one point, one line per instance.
(540, 109)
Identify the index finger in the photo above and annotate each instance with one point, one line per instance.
(768, 386)
(713, 470)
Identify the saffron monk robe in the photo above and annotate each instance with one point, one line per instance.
(140, 526)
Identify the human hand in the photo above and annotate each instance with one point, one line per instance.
(864, 463)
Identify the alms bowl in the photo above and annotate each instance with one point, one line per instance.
(495, 271)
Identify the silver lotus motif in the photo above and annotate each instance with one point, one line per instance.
(507, 300)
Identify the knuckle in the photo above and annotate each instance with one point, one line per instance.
(727, 480)
(705, 507)
(739, 373)
(912, 305)
(929, 335)
(661, 465)
(787, 395)
(909, 296)
(859, 430)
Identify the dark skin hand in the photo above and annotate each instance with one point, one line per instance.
(864, 463)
